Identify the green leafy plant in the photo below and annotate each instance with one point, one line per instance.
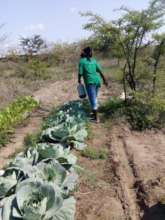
(67, 126)
(38, 183)
(143, 113)
(38, 200)
(13, 114)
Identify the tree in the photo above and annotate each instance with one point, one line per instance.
(102, 37)
(158, 52)
(133, 31)
(129, 35)
(32, 45)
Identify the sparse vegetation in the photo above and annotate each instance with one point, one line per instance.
(94, 154)
(31, 139)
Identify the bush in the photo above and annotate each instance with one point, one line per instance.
(114, 107)
(142, 112)
(146, 112)
(37, 69)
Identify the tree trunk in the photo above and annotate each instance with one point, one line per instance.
(118, 61)
(157, 59)
(124, 83)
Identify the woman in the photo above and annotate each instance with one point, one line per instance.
(89, 69)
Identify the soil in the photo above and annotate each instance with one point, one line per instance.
(49, 97)
(128, 185)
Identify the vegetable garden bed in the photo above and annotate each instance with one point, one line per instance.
(13, 114)
(38, 184)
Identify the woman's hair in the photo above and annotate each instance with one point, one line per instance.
(82, 55)
(88, 52)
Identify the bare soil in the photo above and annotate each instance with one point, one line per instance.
(49, 97)
(130, 184)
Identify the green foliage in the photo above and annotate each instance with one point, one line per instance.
(94, 154)
(4, 138)
(31, 139)
(32, 45)
(142, 112)
(103, 38)
(38, 200)
(13, 114)
(159, 51)
(127, 38)
(67, 126)
(36, 69)
(39, 182)
(114, 107)
(145, 112)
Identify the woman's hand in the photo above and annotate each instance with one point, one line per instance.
(105, 82)
(79, 79)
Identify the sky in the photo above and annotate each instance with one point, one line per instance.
(55, 20)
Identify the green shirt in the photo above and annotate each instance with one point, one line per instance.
(89, 70)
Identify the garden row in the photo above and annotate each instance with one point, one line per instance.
(13, 114)
(38, 183)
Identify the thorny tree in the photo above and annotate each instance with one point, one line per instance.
(32, 45)
(129, 35)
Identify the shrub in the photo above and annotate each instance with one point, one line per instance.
(146, 112)
(37, 69)
(142, 111)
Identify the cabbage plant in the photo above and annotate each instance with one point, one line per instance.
(38, 184)
(67, 135)
(35, 200)
(58, 152)
(7, 184)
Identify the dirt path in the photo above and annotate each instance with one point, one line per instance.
(53, 95)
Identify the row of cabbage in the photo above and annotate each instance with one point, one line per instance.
(39, 183)
(13, 114)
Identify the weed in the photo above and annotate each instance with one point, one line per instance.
(31, 139)
(4, 139)
(89, 178)
(114, 107)
(94, 154)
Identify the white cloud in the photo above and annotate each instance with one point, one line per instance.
(35, 27)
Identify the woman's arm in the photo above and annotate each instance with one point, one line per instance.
(80, 71)
(79, 78)
(103, 78)
(98, 69)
